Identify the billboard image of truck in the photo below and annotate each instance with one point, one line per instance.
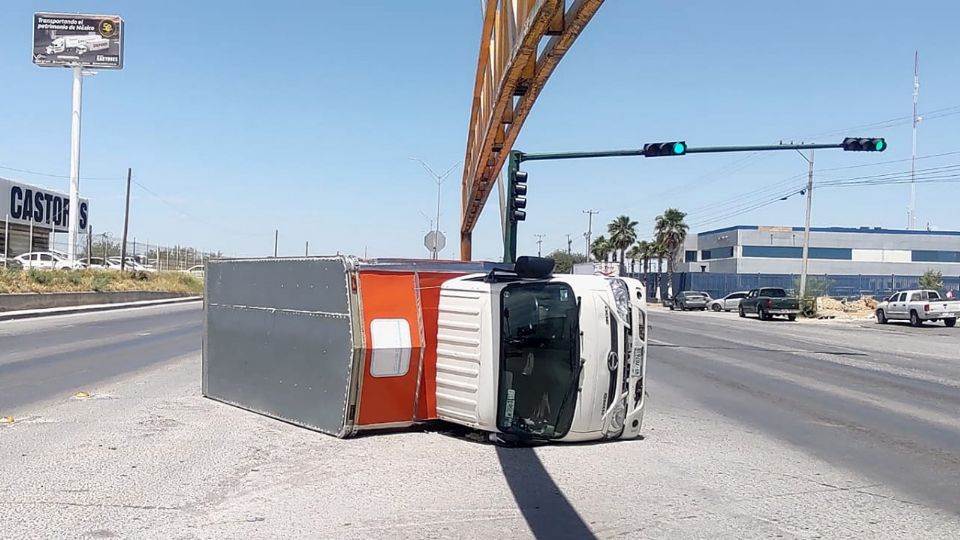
(72, 40)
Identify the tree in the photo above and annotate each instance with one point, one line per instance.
(635, 255)
(600, 248)
(565, 261)
(658, 251)
(623, 233)
(931, 279)
(643, 251)
(671, 232)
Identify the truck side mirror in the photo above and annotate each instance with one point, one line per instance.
(534, 267)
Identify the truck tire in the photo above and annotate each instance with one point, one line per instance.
(950, 323)
(881, 317)
(791, 318)
(743, 314)
(915, 319)
(762, 314)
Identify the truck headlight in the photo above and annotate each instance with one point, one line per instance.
(621, 296)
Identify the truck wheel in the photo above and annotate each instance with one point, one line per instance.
(950, 323)
(743, 314)
(791, 317)
(716, 307)
(881, 317)
(762, 314)
(915, 319)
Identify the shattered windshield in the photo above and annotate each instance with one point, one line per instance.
(540, 362)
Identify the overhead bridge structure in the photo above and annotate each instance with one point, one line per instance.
(512, 68)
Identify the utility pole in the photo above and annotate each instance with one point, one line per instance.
(590, 213)
(806, 228)
(912, 212)
(306, 250)
(276, 239)
(126, 223)
(539, 244)
(569, 245)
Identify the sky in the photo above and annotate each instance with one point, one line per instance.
(238, 120)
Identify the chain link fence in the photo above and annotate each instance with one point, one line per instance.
(104, 250)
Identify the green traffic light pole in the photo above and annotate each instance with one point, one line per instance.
(679, 149)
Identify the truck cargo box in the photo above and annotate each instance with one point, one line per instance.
(333, 344)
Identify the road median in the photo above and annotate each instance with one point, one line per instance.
(26, 306)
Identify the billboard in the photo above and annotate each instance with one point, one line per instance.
(69, 39)
(25, 204)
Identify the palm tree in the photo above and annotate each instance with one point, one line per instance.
(658, 251)
(671, 231)
(623, 233)
(634, 253)
(600, 248)
(643, 251)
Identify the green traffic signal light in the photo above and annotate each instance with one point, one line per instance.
(673, 148)
(853, 144)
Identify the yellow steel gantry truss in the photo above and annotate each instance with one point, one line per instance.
(510, 76)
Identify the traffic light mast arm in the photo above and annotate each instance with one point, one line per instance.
(516, 184)
(689, 150)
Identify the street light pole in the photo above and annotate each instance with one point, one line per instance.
(539, 244)
(806, 227)
(438, 178)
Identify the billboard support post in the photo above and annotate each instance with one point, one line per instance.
(74, 214)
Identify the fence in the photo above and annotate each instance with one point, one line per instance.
(99, 247)
(719, 285)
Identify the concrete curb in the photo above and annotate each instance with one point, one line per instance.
(33, 313)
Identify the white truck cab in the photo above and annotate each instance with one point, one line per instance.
(559, 358)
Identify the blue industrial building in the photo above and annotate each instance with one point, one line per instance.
(853, 260)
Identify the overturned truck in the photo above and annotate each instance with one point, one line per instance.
(341, 345)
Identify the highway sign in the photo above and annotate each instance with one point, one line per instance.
(70, 40)
(435, 241)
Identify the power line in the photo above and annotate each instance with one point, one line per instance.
(51, 175)
(189, 215)
(948, 174)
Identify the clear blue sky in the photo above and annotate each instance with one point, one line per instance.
(303, 116)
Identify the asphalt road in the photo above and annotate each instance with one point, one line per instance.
(880, 400)
(753, 430)
(46, 357)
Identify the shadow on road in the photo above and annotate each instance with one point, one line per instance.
(547, 511)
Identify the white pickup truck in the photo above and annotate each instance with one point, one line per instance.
(918, 306)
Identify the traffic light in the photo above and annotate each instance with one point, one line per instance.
(853, 144)
(676, 148)
(518, 199)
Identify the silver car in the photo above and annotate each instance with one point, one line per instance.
(729, 302)
(690, 300)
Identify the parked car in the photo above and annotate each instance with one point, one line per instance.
(689, 300)
(10, 262)
(918, 306)
(728, 302)
(196, 271)
(767, 302)
(130, 264)
(48, 260)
